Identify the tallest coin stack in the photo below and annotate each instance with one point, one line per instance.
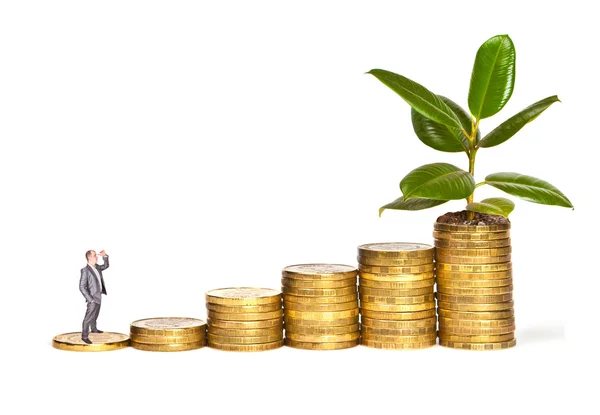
(474, 286)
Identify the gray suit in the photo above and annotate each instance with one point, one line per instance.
(91, 290)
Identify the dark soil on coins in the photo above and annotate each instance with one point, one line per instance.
(460, 218)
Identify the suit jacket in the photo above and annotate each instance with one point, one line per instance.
(88, 283)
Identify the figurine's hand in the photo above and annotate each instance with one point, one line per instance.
(102, 253)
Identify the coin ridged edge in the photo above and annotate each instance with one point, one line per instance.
(479, 346)
(322, 346)
(175, 347)
(261, 347)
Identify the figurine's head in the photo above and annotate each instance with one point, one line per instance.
(91, 257)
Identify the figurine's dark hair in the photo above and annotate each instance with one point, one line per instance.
(88, 254)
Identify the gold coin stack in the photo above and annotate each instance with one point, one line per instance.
(474, 286)
(397, 303)
(168, 334)
(244, 319)
(320, 306)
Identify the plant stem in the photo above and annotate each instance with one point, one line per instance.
(472, 154)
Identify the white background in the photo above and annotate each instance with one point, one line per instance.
(210, 144)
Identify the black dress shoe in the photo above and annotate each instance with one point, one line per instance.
(97, 331)
(88, 341)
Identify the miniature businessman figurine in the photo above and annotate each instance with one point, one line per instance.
(92, 287)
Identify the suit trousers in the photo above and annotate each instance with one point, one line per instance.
(91, 315)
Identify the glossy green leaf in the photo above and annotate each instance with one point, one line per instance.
(441, 137)
(411, 204)
(418, 97)
(493, 206)
(511, 126)
(440, 181)
(493, 77)
(528, 188)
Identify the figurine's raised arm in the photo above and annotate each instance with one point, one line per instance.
(105, 257)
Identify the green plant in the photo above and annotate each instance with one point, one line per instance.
(443, 125)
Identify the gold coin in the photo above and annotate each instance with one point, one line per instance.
(175, 347)
(399, 339)
(474, 275)
(397, 346)
(477, 315)
(318, 284)
(453, 322)
(445, 282)
(479, 252)
(467, 244)
(396, 250)
(394, 262)
(396, 277)
(448, 227)
(474, 299)
(269, 315)
(395, 285)
(319, 292)
(261, 347)
(468, 260)
(322, 330)
(244, 325)
(397, 308)
(243, 296)
(262, 308)
(246, 333)
(320, 300)
(479, 236)
(479, 346)
(473, 267)
(383, 315)
(476, 331)
(319, 272)
(269, 338)
(383, 292)
(152, 339)
(507, 289)
(310, 338)
(101, 342)
(397, 325)
(415, 331)
(296, 322)
(477, 339)
(415, 299)
(168, 326)
(321, 346)
(321, 307)
(376, 269)
(476, 307)
(321, 315)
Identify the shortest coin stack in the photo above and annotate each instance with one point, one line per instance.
(396, 295)
(244, 319)
(168, 334)
(100, 342)
(320, 306)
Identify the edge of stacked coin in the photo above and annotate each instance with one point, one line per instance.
(244, 319)
(168, 334)
(397, 303)
(320, 306)
(474, 286)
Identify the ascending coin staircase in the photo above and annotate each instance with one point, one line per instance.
(322, 303)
